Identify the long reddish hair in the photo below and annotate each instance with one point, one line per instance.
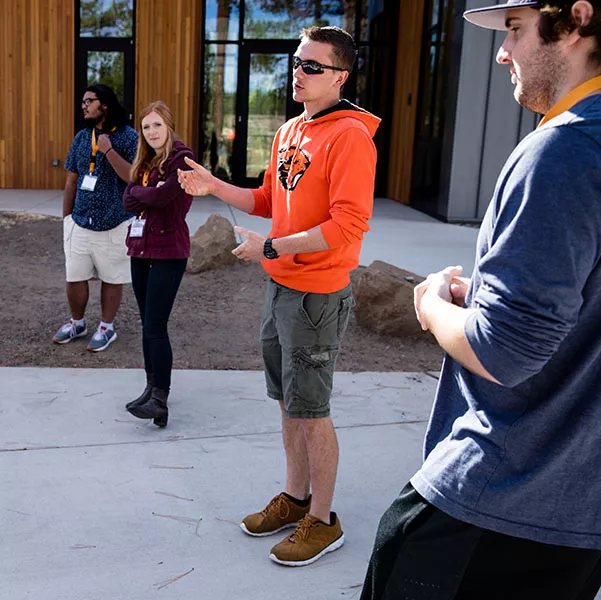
(147, 157)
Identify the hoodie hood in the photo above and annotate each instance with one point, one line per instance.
(178, 148)
(345, 109)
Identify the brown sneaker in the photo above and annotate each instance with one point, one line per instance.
(279, 514)
(309, 542)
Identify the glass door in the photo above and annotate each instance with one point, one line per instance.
(105, 50)
(110, 62)
(264, 104)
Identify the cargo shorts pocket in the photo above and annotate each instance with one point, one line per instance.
(312, 380)
(344, 314)
(313, 308)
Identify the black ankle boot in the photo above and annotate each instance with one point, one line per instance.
(155, 408)
(145, 396)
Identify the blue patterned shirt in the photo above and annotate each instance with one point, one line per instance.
(101, 209)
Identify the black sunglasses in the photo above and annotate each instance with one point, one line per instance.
(312, 67)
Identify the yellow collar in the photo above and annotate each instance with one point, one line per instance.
(569, 100)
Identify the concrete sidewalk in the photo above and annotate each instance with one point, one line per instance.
(97, 505)
(399, 234)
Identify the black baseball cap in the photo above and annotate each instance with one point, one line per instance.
(494, 17)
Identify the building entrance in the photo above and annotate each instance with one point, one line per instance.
(264, 104)
(247, 74)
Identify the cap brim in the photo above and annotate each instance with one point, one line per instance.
(494, 17)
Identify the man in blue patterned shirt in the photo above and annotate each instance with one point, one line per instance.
(94, 222)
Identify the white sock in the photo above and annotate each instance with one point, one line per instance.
(105, 325)
(78, 322)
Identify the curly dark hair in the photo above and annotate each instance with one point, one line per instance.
(116, 115)
(556, 19)
(343, 45)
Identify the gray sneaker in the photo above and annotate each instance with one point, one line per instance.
(101, 339)
(69, 331)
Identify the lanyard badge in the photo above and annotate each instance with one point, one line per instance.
(90, 180)
(137, 227)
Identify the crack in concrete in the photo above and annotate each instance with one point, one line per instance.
(200, 437)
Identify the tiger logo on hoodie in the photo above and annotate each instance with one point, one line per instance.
(292, 165)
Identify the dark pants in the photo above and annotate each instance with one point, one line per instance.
(422, 553)
(155, 283)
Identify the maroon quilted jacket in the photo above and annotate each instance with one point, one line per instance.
(166, 233)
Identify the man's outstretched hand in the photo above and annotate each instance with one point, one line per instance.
(252, 248)
(198, 181)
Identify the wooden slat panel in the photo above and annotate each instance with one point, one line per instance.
(168, 55)
(38, 79)
(406, 83)
(37, 45)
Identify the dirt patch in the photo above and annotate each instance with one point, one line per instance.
(214, 324)
(10, 219)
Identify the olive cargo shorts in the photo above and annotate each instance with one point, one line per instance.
(300, 339)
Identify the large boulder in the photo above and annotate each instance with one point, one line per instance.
(211, 246)
(384, 296)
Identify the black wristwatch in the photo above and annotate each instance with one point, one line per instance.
(268, 250)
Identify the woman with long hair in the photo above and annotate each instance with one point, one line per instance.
(159, 245)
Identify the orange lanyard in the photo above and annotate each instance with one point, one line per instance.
(571, 99)
(95, 150)
(145, 179)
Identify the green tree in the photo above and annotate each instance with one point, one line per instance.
(107, 68)
(109, 18)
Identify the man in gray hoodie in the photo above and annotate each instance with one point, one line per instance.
(507, 504)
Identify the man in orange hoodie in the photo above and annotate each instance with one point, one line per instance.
(318, 190)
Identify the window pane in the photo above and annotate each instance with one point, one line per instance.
(219, 112)
(222, 20)
(106, 18)
(273, 19)
(367, 12)
(430, 126)
(362, 65)
(107, 68)
(268, 82)
(435, 8)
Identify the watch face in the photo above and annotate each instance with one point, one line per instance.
(268, 251)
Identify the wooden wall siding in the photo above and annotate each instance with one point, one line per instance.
(406, 86)
(168, 60)
(36, 91)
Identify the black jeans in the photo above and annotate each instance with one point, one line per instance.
(422, 553)
(155, 283)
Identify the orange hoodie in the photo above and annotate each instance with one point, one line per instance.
(321, 173)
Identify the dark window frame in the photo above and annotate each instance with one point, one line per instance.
(437, 100)
(349, 92)
(85, 44)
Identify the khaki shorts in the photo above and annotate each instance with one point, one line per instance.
(101, 254)
(301, 334)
